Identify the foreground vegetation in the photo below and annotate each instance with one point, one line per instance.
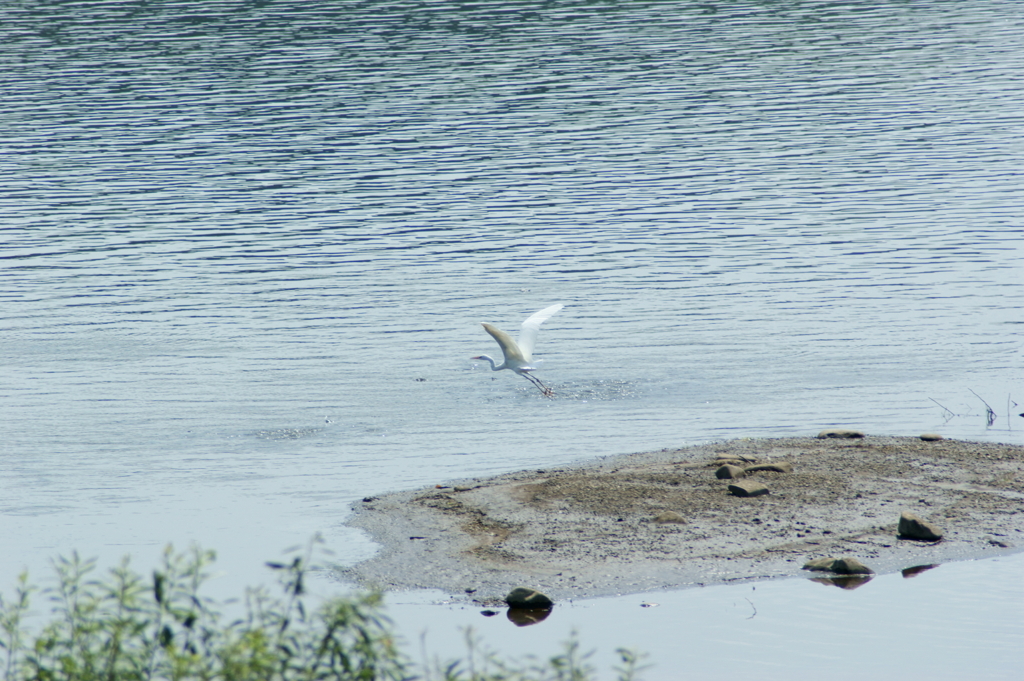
(125, 627)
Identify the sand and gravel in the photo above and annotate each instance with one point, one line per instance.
(663, 520)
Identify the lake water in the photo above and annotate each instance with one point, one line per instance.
(956, 621)
(246, 247)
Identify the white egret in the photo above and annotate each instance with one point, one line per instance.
(519, 354)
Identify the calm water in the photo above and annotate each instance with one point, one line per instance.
(889, 628)
(236, 235)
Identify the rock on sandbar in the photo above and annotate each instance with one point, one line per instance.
(912, 527)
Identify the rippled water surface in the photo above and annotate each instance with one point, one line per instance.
(246, 247)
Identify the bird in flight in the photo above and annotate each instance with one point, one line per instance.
(519, 354)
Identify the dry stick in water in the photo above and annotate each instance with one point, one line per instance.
(991, 415)
(947, 410)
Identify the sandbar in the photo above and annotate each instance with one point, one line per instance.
(599, 528)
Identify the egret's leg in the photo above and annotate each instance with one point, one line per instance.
(546, 391)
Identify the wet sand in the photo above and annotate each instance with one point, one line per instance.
(592, 529)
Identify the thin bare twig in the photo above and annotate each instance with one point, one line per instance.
(991, 414)
(949, 412)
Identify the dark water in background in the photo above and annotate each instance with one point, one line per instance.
(235, 234)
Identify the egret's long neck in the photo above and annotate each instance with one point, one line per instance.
(494, 367)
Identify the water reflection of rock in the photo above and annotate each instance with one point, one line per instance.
(524, 617)
(847, 583)
(916, 570)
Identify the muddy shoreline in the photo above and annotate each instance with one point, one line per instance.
(663, 520)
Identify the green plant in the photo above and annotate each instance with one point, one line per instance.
(125, 628)
(129, 628)
(570, 665)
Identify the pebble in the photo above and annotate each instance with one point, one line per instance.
(780, 467)
(748, 488)
(729, 471)
(851, 566)
(932, 437)
(819, 564)
(669, 517)
(839, 433)
(912, 527)
(734, 461)
(840, 566)
(522, 597)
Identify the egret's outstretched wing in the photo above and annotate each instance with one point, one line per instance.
(528, 335)
(508, 346)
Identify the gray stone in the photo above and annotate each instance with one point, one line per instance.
(839, 433)
(780, 467)
(912, 527)
(521, 597)
(729, 471)
(820, 564)
(932, 437)
(748, 488)
(669, 517)
(736, 460)
(840, 566)
(850, 566)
